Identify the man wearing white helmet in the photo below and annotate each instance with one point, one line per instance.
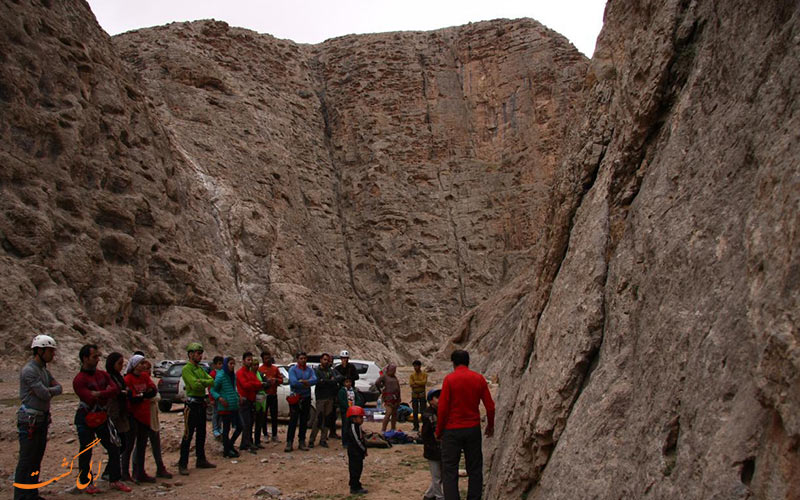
(346, 370)
(36, 388)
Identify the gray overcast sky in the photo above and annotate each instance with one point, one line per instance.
(312, 21)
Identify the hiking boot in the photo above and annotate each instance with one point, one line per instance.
(183, 470)
(302, 446)
(144, 478)
(91, 490)
(288, 447)
(119, 485)
(360, 491)
(204, 464)
(163, 472)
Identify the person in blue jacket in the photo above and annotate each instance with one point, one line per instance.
(301, 378)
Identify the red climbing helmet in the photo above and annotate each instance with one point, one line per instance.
(354, 411)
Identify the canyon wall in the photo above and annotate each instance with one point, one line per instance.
(654, 340)
(614, 241)
(198, 181)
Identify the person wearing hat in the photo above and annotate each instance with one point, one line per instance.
(141, 390)
(356, 448)
(346, 370)
(36, 388)
(432, 447)
(194, 411)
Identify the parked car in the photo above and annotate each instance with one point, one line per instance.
(170, 385)
(368, 373)
(160, 368)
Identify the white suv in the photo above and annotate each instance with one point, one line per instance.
(368, 373)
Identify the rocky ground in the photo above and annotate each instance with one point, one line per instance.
(320, 473)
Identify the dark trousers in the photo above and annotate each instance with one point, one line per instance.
(355, 465)
(86, 435)
(141, 432)
(246, 413)
(126, 449)
(227, 419)
(194, 421)
(299, 412)
(345, 441)
(32, 443)
(418, 406)
(155, 445)
(272, 411)
(259, 425)
(454, 441)
(331, 423)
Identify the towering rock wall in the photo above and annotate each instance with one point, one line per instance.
(202, 181)
(657, 330)
(400, 178)
(107, 235)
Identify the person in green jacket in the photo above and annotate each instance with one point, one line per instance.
(194, 412)
(227, 401)
(348, 396)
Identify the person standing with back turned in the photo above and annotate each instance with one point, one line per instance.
(36, 388)
(459, 425)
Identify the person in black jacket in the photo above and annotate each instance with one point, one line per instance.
(356, 448)
(345, 370)
(432, 448)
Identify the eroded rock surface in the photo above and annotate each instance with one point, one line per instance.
(203, 181)
(656, 330)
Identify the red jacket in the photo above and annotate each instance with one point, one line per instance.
(138, 404)
(462, 390)
(85, 382)
(271, 372)
(247, 383)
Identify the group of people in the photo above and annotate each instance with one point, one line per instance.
(118, 409)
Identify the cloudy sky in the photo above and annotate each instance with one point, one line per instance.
(312, 21)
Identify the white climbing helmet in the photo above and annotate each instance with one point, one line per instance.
(43, 341)
(344, 354)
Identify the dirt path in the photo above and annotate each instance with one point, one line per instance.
(394, 473)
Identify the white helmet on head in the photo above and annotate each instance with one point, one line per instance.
(344, 354)
(43, 341)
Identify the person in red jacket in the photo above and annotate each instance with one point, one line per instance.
(271, 376)
(459, 425)
(141, 390)
(247, 385)
(95, 388)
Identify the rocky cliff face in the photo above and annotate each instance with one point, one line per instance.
(202, 181)
(656, 328)
(623, 259)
